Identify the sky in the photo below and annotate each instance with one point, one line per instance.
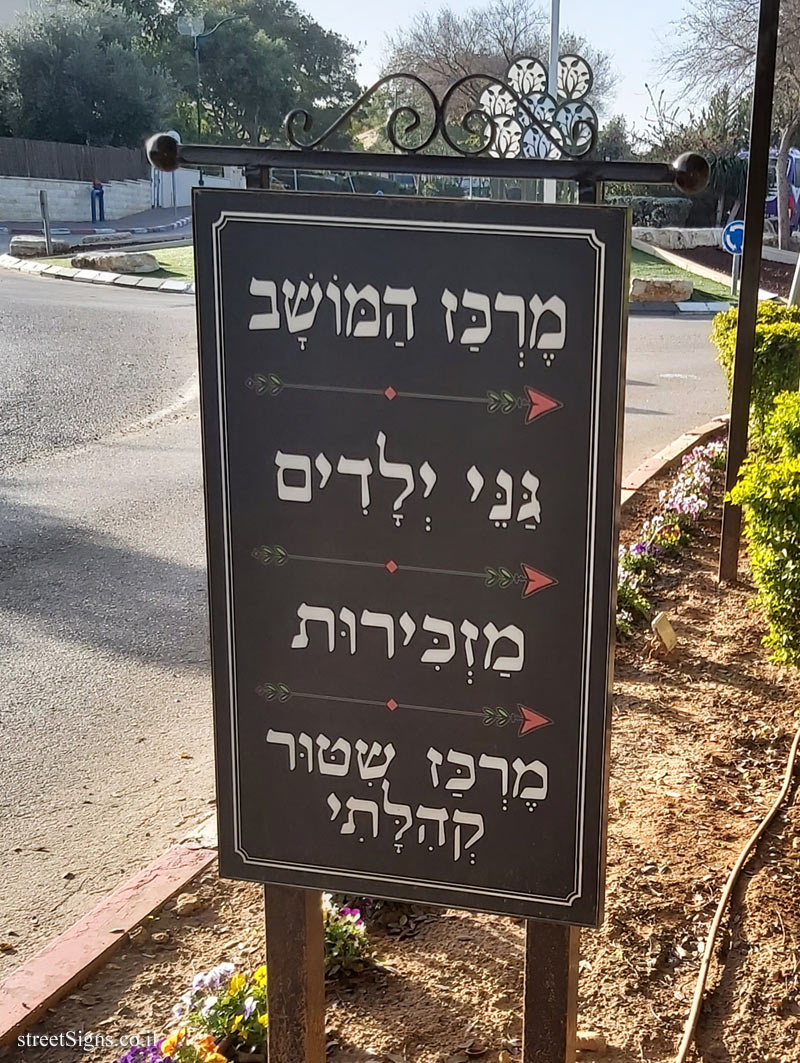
(631, 31)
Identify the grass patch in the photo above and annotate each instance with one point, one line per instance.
(177, 263)
(648, 267)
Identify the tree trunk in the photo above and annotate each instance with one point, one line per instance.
(782, 165)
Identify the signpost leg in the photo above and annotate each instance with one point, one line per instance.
(45, 211)
(736, 269)
(295, 975)
(551, 992)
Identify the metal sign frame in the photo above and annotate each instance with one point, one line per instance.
(293, 915)
(311, 405)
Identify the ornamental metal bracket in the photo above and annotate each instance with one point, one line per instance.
(486, 125)
(480, 114)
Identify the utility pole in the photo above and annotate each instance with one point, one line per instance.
(550, 186)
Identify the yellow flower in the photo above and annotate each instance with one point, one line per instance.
(263, 1019)
(171, 1043)
(260, 975)
(237, 984)
(237, 1022)
(209, 1053)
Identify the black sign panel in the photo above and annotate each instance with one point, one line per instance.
(411, 417)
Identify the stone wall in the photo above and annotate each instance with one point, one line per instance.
(675, 239)
(69, 200)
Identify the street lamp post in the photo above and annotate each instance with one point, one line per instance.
(550, 186)
(194, 26)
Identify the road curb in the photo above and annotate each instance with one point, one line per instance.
(86, 230)
(667, 458)
(172, 287)
(140, 282)
(81, 950)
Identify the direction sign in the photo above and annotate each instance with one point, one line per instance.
(411, 423)
(733, 237)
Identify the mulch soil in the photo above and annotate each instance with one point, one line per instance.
(775, 276)
(700, 740)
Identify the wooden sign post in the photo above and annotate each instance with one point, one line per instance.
(411, 425)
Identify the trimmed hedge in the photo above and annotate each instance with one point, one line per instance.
(656, 212)
(769, 493)
(776, 355)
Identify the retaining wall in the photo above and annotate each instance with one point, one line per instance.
(69, 200)
(674, 239)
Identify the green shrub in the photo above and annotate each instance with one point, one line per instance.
(782, 433)
(769, 493)
(776, 355)
(656, 212)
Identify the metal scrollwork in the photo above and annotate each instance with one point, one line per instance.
(533, 124)
(509, 118)
(404, 120)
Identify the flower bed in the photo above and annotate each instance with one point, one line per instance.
(699, 744)
(223, 1014)
(680, 507)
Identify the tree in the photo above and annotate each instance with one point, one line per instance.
(76, 74)
(716, 46)
(254, 69)
(445, 45)
(615, 140)
(719, 131)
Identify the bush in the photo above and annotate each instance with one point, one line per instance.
(656, 212)
(776, 355)
(769, 493)
(782, 435)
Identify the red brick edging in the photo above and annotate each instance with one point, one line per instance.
(668, 457)
(74, 955)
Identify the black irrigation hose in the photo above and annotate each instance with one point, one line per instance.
(697, 1002)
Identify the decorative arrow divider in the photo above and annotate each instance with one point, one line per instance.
(498, 716)
(535, 403)
(530, 579)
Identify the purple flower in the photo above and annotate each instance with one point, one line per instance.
(249, 1008)
(208, 1006)
(220, 975)
(145, 1054)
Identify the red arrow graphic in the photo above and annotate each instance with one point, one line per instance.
(531, 721)
(535, 581)
(540, 404)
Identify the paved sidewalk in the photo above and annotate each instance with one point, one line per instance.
(159, 219)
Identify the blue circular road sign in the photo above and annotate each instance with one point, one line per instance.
(733, 237)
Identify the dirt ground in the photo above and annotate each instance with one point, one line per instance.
(700, 741)
(775, 276)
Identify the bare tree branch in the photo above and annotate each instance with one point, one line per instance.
(446, 45)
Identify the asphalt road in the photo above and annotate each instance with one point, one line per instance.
(105, 730)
